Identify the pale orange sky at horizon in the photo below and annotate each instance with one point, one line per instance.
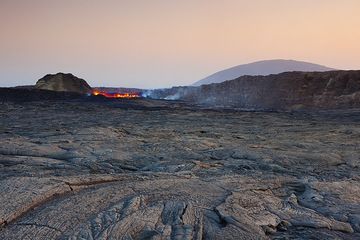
(162, 43)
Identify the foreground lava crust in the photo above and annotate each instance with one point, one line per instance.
(145, 169)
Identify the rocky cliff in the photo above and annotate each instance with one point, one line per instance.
(290, 90)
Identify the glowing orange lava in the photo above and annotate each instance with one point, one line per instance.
(116, 95)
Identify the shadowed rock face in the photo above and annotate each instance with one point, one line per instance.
(62, 82)
(291, 90)
(146, 169)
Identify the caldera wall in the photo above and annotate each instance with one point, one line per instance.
(285, 91)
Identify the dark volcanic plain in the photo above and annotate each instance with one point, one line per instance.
(145, 169)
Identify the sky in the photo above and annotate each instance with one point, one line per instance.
(163, 43)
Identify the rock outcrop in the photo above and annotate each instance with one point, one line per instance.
(62, 82)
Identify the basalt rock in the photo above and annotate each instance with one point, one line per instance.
(149, 169)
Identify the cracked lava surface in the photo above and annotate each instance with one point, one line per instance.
(147, 169)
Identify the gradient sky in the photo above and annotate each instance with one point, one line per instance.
(161, 43)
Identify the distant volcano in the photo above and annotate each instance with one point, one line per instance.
(266, 67)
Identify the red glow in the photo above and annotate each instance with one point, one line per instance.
(116, 95)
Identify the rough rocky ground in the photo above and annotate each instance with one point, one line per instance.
(166, 170)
